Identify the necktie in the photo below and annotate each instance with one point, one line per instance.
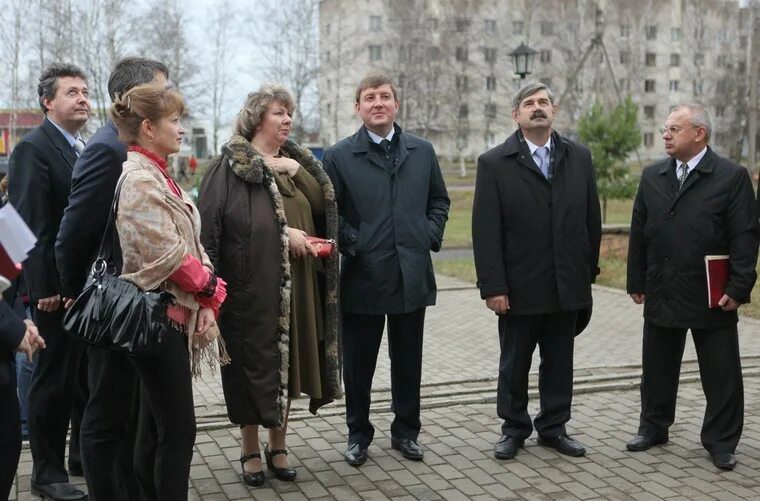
(683, 175)
(385, 145)
(78, 146)
(543, 160)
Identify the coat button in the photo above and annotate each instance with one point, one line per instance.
(667, 258)
(672, 214)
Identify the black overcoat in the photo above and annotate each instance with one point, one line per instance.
(672, 231)
(390, 220)
(536, 241)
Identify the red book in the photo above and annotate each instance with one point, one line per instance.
(716, 268)
(8, 268)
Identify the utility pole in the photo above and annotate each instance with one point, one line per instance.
(754, 69)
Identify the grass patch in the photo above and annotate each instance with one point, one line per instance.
(458, 233)
(462, 268)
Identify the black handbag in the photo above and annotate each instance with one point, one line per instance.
(114, 313)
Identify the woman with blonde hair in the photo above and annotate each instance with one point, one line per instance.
(159, 233)
(259, 201)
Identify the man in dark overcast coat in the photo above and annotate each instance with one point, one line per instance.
(393, 207)
(536, 230)
(691, 205)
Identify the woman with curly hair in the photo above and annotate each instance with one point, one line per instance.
(259, 201)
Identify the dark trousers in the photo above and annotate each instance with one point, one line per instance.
(518, 335)
(720, 370)
(166, 428)
(10, 437)
(362, 335)
(56, 389)
(109, 426)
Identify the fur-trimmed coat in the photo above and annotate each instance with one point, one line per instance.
(244, 233)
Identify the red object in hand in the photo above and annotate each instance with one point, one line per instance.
(8, 268)
(323, 246)
(717, 270)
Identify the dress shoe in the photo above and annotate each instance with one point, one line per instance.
(408, 448)
(507, 447)
(644, 442)
(62, 491)
(75, 470)
(356, 454)
(288, 473)
(724, 460)
(563, 444)
(252, 478)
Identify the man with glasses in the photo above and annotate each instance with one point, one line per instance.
(691, 205)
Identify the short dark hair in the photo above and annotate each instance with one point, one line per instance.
(48, 84)
(133, 71)
(375, 80)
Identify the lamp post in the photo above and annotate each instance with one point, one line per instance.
(522, 59)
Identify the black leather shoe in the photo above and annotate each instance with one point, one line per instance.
(724, 460)
(288, 473)
(75, 470)
(563, 444)
(408, 448)
(507, 447)
(356, 454)
(62, 491)
(252, 478)
(644, 442)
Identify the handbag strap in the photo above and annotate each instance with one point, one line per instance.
(108, 232)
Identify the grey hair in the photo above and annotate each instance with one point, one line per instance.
(252, 113)
(700, 117)
(529, 90)
(48, 83)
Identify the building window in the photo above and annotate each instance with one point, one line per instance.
(743, 41)
(462, 23)
(721, 86)
(433, 53)
(675, 59)
(651, 32)
(490, 110)
(675, 34)
(649, 112)
(461, 53)
(624, 84)
(625, 30)
(722, 35)
(327, 56)
(489, 54)
(648, 85)
(329, 110)
(699, 59)
(699, 32)
(721, 61)
(625, 57)
(673, 86)
(699, 87)
(650, 59)
(405, 53)
(432, 23)
(491, 82)
(461, 83)
(546, 56)
(490, 26)
(648, 139)
(518, 27)
(741, 67)
(547, 28)
(490, 139)
(720, 111)
(374, 23)
(464, 111)
(327, 29)
(375, 53)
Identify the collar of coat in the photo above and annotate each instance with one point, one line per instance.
(705, 166)
(515, 144)
(362, 141)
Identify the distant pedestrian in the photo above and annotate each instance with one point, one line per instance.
(688, 206)
(193, 165)
(536, 230)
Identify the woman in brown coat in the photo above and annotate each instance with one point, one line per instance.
(258, 201)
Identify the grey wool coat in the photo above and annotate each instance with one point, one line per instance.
(244, 234)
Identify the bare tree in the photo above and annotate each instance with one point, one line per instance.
(11, 17)
(287, 44)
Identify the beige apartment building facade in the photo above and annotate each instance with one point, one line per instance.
(451, 62)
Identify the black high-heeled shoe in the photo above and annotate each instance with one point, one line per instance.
(256, 478)
(287, 474)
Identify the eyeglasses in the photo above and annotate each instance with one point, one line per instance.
(673, 130)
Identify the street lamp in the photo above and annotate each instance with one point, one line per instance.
(522, 59)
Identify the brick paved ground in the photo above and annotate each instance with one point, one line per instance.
(459, 426)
